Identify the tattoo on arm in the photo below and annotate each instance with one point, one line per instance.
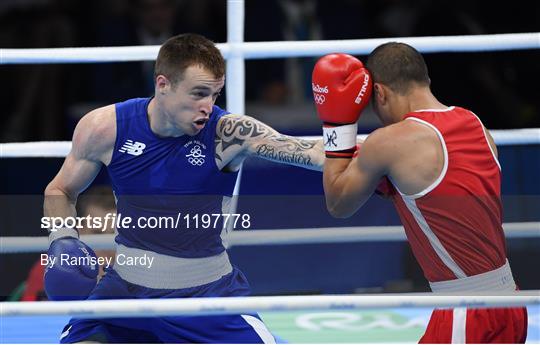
(234, 131)
(265, 142)
(287, 150)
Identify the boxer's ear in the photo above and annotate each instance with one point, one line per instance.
(379, 93)
(163, 84)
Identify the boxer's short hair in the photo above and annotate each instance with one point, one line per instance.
(182, 51)
(398, 66)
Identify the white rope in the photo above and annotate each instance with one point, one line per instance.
(279, 49)
(429, 44)
(502, 137)
(243, 305)
(35, 149)
(26, 244)
(526, 136)
(522, 136)
(78, 55)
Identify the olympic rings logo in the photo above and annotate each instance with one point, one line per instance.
(319, 99)
(196, 161)
(195, 156)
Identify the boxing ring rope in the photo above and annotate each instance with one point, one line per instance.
(244, 305)
(58, 149)
(26, 244)
(278, 49)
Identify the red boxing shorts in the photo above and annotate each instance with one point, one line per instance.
(461, 325)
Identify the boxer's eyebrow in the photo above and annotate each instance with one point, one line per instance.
(201, 87)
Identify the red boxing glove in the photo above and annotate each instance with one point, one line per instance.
(341, 89)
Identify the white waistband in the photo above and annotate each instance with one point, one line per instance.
(159, 271)
(498, 280)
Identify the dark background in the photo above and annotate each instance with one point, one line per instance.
(44, 102)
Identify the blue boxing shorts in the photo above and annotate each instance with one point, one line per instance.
(245, 328)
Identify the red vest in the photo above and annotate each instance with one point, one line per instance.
(454, 225)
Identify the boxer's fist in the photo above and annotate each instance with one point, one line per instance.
(341, 89)
(65, 280)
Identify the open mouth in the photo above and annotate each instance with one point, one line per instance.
(199, 124)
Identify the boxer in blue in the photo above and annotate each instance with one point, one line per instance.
(174, 152)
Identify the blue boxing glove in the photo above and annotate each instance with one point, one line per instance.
(72, 270)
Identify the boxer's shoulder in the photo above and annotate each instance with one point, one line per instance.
(95, 134)
(397, 145)
(403, 134)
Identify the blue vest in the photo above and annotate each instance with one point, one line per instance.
(166, 186)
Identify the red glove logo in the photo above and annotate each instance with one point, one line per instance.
(318, 93)
(317, 88)
(363, 90)
(319, 99)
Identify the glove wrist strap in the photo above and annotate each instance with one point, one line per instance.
(62, 232)
(339, 137)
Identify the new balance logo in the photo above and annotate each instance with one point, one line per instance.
(132, 148)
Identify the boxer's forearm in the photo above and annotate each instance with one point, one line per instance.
(244, 135)
(57, 203)
(303, 153)
(58, 207)
(332, 179)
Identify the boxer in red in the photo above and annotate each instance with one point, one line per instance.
(439, 166)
